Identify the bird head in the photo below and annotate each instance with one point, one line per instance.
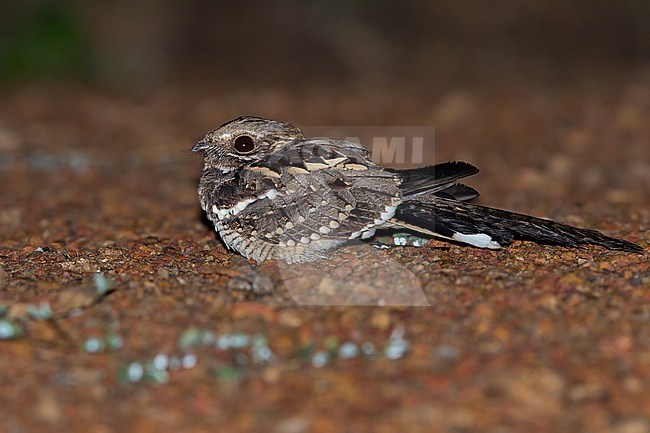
(244, 141)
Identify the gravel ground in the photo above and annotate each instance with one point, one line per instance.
(122, 311)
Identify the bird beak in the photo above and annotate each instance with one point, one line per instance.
(199, 146)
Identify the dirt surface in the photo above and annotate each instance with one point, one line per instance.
(122, 311)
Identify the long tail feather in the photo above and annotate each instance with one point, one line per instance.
(435, 178)
(487, 227)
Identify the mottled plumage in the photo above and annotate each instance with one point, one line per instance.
(274, 194)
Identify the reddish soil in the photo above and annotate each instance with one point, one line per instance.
(124, 312)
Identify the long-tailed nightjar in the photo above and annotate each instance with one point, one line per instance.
(272, 193)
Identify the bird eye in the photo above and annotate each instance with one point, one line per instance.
(244, 144)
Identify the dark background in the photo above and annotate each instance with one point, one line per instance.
(148, 44)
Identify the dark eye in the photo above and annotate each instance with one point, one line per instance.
(244, 144)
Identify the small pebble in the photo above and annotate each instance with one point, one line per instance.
(41, 312)
(102, 284)
(93, 345)
(348, 350)
(320, 358)
(396, 348)
(331, 343)
(238, 340)
(232, 341)
(368, 349)
(263, 354)
(189, 338)
(189, 361)
(419, 242)
(135, 372)
(160, 362)
(114, 341)
(207, 338)
(157, 376)
(8, 330)
(260, 351)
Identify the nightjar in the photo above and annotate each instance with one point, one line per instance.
(272, 193)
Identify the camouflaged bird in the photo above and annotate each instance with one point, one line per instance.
(274, 194)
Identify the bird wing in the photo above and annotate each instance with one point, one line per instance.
(314, 191)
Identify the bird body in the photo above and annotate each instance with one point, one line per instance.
(271, 193)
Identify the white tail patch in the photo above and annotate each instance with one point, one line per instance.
(480, 240)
